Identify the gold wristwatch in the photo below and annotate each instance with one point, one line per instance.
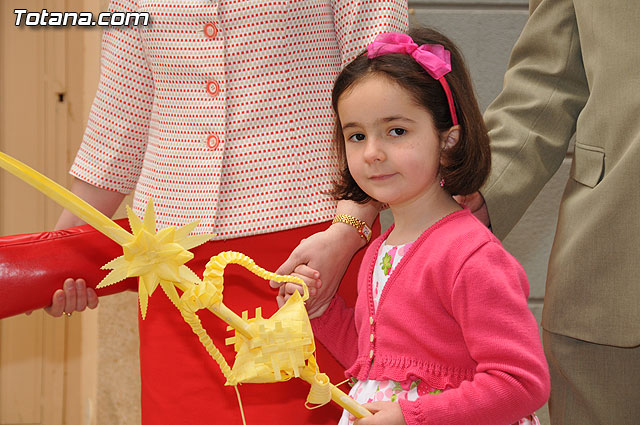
(359, 225)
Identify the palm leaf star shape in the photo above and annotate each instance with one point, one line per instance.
(157, 258)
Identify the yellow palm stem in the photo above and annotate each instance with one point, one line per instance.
(65, 198)
(232, 319)
(339, 397)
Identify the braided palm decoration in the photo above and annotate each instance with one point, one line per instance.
(271, 349)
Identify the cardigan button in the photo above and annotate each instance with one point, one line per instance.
(371, 354)
(371, 338)
(371, 320)
(210, 30)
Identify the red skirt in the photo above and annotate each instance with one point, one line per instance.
(181, 384)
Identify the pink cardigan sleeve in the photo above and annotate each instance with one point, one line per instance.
(488, 299)
(336, 330)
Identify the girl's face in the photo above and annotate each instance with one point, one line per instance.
(392, 147)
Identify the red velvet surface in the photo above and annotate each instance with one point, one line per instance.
(34, 265)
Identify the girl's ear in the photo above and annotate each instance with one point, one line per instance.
(450, 137)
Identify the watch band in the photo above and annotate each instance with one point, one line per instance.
(359, 225)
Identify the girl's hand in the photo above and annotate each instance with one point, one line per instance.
(384, 413)
(329, 253)
(310, 276)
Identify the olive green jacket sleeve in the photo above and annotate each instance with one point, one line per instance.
(532, 121)
(576, 71)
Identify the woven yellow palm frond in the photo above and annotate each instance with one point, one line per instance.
(268, 349)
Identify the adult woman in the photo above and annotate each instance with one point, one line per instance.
(220, 111)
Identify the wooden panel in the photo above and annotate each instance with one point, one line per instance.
(21, 132)
(53, 370)
(21, 369)
(34, 116)
(56, 101)
(21, 343)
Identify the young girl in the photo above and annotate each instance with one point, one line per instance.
(441, 332)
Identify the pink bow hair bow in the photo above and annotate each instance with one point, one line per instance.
(434, 58)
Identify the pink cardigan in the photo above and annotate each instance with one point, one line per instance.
(454, 313)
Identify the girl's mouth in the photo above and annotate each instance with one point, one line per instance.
(381, 177)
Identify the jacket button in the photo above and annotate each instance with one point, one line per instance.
(210, 30)
(213, 141)
(213, 88)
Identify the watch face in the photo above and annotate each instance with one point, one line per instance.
(366, 231)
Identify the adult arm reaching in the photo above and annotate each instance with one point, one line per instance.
(74, 294)
(326, 256)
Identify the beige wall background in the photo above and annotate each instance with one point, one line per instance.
(102, 348)
(82, 370)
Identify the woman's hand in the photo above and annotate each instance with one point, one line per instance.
(325, 257)
(75, 296)
(304, 272)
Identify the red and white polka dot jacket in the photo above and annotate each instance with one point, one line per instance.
(220, 109)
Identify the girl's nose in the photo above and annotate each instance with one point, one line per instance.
(373, 151)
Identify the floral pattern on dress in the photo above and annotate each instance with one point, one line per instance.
(370, 391)
(388, 258)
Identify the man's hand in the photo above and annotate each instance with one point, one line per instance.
(476, 204)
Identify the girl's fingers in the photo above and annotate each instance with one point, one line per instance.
(308, 275)
(290, 288)
(286, 290)
(305, 270)
(280, 298)
(310, 278)
(311, 283)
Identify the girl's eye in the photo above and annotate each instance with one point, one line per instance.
(358, 137)
(397, 132)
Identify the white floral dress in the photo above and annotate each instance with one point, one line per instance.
(371, 390)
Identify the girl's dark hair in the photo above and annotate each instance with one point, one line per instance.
(466, 165)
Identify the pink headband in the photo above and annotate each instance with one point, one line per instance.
(434, 58)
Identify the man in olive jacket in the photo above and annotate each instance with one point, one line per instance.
(576, 70)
